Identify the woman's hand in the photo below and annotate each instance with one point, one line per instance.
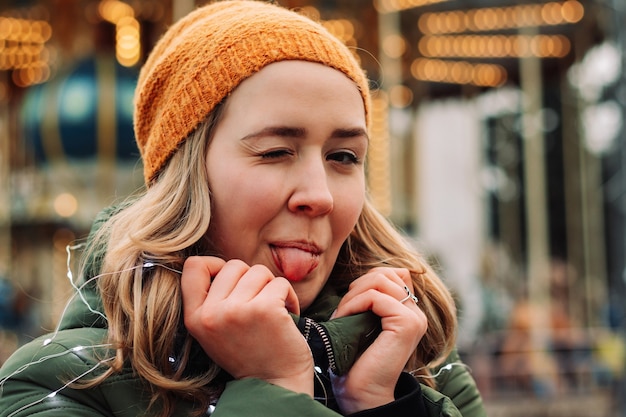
(372, 379)
(240, 316)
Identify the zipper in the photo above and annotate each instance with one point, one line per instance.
(327, 346)
(306, 331)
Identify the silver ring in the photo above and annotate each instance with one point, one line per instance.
(409, 296)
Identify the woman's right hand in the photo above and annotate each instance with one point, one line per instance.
(240, 316)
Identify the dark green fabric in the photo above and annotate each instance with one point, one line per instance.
(455, 381)
(349, 337)
(253, 397)
(38, 369)
(55, 364)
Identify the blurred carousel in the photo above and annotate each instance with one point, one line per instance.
(66, 105)
(78, 131)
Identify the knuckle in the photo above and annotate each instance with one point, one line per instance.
(193, 261)
(237, 263)
(280, 282)
(261, 270)
(417, 329)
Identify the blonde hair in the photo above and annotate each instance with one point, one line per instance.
(167, 224)
(375, 242)
(164, 225)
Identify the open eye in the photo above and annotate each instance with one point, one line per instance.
(344, 157)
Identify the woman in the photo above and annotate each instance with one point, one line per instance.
(252, 277)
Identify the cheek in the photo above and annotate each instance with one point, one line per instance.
(348, 212)
(239, 200)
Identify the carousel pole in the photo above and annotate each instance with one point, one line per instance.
(619, 14)
(537, 247)
(5, 181)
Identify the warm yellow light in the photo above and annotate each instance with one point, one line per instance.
(128, 41)
(494, 46)
(551, 13)
(341, 28)
(499, 18)
(129, 50)
(394, 46)
(400, 96)
(458, 72)
(461, 72)
(65, 205)
(387, 6)
(347, 28)
(19, 30)
(425, 23)
(30, 75)
(114, 10)
(128, 21)
(490, 19)
(5, 27)
(572, 11)
(127, 57)
(311, 12)
(521, 47)
(22, 30)
(23, 50)
(526, 15)
(378, 169)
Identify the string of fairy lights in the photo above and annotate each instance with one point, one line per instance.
(78, 292)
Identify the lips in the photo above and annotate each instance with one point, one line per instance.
(295, 260)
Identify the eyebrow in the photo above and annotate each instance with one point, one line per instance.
(280, 131)
(299, 132)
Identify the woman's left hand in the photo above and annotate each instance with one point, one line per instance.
(372, 379)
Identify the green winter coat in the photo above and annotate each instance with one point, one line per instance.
(35, 379)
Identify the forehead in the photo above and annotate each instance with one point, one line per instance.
(300, 80)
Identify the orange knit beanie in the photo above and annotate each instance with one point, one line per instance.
(208, 53)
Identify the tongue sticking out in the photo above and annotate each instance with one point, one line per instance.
(295, 263)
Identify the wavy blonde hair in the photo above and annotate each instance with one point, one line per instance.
(375, 242)
(166, 224)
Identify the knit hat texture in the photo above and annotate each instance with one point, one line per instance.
(208, 53)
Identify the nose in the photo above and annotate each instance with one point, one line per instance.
(311, 193)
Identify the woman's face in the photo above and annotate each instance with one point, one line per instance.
(286, 172)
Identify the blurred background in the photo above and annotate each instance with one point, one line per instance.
(498, 145)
